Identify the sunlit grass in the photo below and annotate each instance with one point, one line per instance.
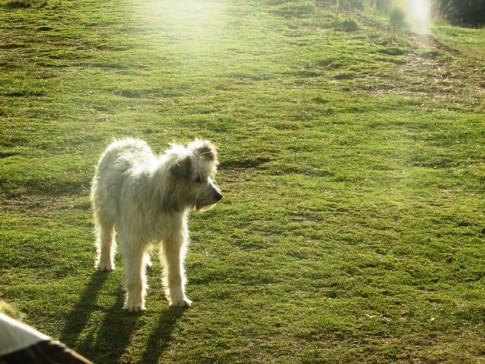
(419, 18)
(352, 163)
(470, 41)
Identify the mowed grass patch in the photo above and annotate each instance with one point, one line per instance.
(351, 228)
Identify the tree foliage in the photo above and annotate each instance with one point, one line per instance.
(457, 12)
(462, 12)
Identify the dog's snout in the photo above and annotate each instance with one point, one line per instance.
(218, 196)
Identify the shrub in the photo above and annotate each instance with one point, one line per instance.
(19, 4)
(347, 25)
(14, 4)
(397, 18)
(382, 5)
(296, 9)
(352, 4)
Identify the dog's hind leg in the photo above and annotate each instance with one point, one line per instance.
(172, 256)
(135, 279)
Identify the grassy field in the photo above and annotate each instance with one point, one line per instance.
(352, 164)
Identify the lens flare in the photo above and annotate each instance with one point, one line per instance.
(199, 24)
(419, 11)
(191, 16)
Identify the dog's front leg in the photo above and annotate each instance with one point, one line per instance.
(173, 256)
(135, 280)
(106, 249)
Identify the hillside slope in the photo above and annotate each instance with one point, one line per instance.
(352, 166)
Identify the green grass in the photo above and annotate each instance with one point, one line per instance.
(352, 164)
(467, 41)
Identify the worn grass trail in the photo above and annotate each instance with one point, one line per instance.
(352, 164)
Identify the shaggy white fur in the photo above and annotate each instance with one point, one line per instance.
(147, 198)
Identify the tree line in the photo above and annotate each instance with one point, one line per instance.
(462, 12)
(457, 12)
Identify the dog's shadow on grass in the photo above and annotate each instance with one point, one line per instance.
(161, 337)
(77, 320)
(106, 342)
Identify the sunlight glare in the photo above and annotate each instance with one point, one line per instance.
(193, 17)
(420, 12)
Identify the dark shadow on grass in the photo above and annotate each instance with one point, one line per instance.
(105, 342)
(113, 335)
(161, 337)
(77, 319)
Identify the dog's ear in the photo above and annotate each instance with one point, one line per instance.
(182, 168)
(204, 149)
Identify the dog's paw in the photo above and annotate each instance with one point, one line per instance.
(134, 307)
(134, 302)
(105, 265)
(182, 302)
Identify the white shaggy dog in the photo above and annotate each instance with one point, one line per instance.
(147, 198)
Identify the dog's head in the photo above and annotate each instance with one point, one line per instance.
(193, 170)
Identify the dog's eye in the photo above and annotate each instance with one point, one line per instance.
(198, 180)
